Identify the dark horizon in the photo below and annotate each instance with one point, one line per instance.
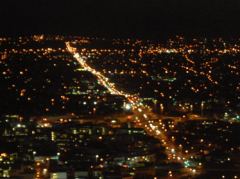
(150, 19)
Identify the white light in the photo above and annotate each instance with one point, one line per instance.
(128, 106)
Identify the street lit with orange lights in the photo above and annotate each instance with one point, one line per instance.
(89, 107)
(144, 118)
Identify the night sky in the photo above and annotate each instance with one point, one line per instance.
(131, 18)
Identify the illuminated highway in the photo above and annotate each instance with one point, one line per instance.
(144, 117)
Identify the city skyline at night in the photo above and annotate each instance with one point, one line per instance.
(146, 89)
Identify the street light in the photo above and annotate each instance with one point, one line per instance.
(202, 107)
(161, 108)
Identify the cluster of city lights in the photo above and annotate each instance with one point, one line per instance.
(141, 113)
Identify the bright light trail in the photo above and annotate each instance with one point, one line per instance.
(172, 151)
(101, 78)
